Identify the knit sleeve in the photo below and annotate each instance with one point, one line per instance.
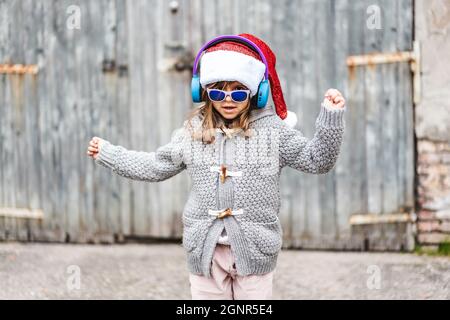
(159, 165)
(319, 154)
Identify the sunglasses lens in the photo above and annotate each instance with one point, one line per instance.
(239, 96)
(216, 95)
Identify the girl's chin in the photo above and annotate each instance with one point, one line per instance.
(229, 115)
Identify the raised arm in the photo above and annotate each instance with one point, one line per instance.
(159, 165)
(319, 154)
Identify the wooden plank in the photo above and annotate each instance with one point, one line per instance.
(99, 114)
(44, 230)
(405, 32)
(383, 218)
(264, 13)
(239, 24)
(21, 213)
(289, 213)
(355, 129)
(304, 52)
(111, 217)
(3, 125)
(405, 169)
(210, 19)
(33, 164)
(344, 167)
(159, 96)
(20, 153)
(20, 122)
(181, 108)
(311, 110)
(144, 105)
(373, 110)
(169, 82)
(57, 71)
(101, 46)
(401, 123)
(326, 79)
(122, 114)
(71, 154)
(8, 161)
(224, 16)
(390, 139)
(2, 152)
(87, 116)
(195, 35)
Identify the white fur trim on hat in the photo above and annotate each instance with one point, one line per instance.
(291, 119)
(224, 65)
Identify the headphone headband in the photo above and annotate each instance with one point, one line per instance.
(234, 38)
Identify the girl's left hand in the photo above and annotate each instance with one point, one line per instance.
(95, 146)
(334, 99)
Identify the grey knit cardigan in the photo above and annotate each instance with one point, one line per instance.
(250, 187)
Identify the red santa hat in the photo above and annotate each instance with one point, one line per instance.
(233, 61)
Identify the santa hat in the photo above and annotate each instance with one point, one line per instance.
(233, 61)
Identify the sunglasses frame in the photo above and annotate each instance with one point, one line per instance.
(228, 93)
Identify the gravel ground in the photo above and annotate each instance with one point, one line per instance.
(159, 271)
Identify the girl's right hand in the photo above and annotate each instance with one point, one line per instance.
(95, 146)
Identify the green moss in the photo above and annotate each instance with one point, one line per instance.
(442, 250)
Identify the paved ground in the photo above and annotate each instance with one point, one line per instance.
(135, 271)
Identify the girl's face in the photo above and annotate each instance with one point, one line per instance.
(227, 108)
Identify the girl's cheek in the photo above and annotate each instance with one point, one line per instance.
(216, 105)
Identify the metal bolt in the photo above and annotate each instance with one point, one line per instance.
(174, 6)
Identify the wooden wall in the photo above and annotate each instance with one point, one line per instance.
(125, 75)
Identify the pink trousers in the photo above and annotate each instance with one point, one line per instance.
(225, 284)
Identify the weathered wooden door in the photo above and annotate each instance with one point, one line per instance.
(375, 171)
(125, 76)
(80, 90)
(312, 39)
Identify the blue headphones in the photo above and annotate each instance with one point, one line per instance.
(263, 90)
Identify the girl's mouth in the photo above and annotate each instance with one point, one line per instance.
(229, 109)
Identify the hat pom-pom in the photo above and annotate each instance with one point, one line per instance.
(291, 119)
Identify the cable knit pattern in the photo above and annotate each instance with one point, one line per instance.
(318, 155)
(256, 235)
(144, 166)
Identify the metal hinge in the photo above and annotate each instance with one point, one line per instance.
(19, 69)
(364, 219)
(413, 57)
(110, 66)
(180, 59)
(22, 213)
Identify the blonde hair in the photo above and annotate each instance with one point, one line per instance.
(212, 119)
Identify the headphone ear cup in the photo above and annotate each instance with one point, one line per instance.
(196, 89)
(263, 94)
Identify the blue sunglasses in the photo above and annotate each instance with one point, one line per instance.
(217, 95)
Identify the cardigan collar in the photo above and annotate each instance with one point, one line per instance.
(256, 114)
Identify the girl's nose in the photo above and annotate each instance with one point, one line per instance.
(228, 98)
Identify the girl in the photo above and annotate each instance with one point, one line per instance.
(233, 148)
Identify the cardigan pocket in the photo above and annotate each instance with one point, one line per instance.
(194, 233)
(265, 237)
